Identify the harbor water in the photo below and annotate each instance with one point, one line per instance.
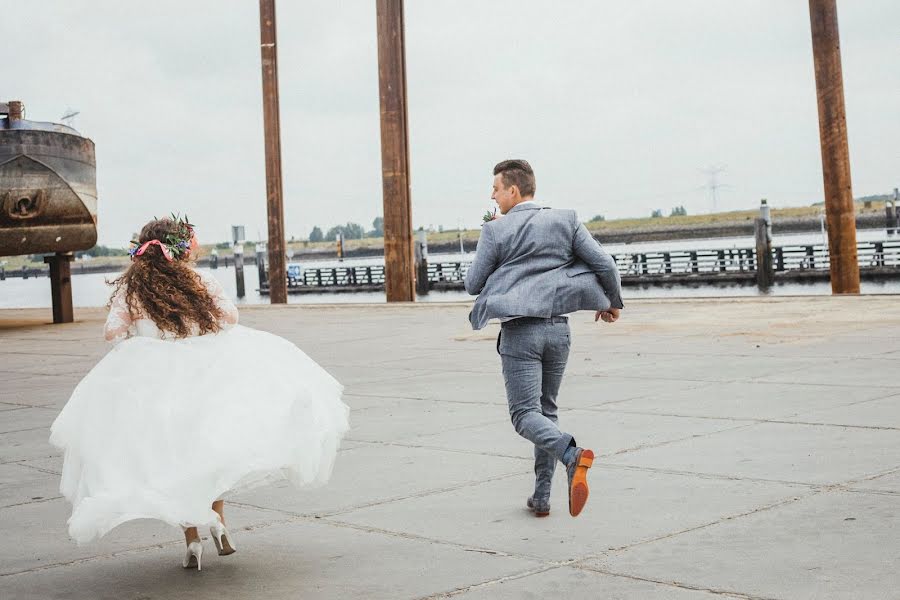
(92, 289)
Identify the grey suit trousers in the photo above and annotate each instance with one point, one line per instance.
(534, 353)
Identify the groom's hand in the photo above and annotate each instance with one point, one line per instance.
(608, 316)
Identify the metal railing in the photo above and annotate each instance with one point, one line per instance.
(675, 264)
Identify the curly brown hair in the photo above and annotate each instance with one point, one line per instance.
(170, 293)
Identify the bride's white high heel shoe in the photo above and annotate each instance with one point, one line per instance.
(192, 555)
(222, 539)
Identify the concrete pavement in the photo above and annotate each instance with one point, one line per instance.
(747, 449)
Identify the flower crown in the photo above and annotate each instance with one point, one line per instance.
(175, 245)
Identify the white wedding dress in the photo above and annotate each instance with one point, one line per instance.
(162, 427)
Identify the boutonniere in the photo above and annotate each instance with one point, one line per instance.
(490, 216)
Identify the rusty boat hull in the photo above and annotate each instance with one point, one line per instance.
(48, 189)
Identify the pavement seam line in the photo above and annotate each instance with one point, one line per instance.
(600, 408)
(354, 508)
(674, 441)
(725, 519)
(813, 424)
(490, 582)
(701, 475)
(18, 460)
(896, 388)
(47, 427)
(816, 486)
(39, 501)
(425, 493)
(421, 538)
(618, 452)
(877, 475)
(22, 463)
(87, 559)
(442, 431)
(873, 492)
(442, 449)
(14, 406)
(847, 486)
(677, 584)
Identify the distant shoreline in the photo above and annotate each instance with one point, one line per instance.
(745, 228)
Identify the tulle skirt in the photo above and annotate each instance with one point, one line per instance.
(160, 429)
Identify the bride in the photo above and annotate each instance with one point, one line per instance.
(175, 417)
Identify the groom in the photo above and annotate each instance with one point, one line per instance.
(531, 268)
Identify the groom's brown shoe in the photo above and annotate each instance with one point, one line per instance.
(578, 487)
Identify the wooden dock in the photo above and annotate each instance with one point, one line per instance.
(877, 260)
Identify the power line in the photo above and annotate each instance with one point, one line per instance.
(713, 185)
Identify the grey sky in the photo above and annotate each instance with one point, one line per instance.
(618, 105)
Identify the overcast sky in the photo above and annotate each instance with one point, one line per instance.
(619, 106)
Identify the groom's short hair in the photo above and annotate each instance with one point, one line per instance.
(517, 172)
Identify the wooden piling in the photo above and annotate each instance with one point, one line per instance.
(878, 257)
(765, 269)
(239, 268)
(272, 130)
(398, 240)
(839, 208)
(261, 266)
(896, 210)
(422, 284)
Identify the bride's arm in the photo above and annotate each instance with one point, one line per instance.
(229, 310)
(118, 322)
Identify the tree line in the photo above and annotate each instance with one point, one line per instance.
(678, 211)
(350, 231)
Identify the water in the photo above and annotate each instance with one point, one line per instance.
(91, 289)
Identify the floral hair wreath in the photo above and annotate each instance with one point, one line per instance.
(174, 246)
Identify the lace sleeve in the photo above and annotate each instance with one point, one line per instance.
(229, 310)
(118, 323)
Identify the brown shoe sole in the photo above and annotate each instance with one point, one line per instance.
(578, 491)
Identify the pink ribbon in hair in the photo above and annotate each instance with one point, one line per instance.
(163, 247)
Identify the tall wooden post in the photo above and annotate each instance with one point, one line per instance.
(398, 239)
(272, 121)
(839, 209)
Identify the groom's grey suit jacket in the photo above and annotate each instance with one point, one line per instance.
(540, 262)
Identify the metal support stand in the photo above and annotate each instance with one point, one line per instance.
(61, 286)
